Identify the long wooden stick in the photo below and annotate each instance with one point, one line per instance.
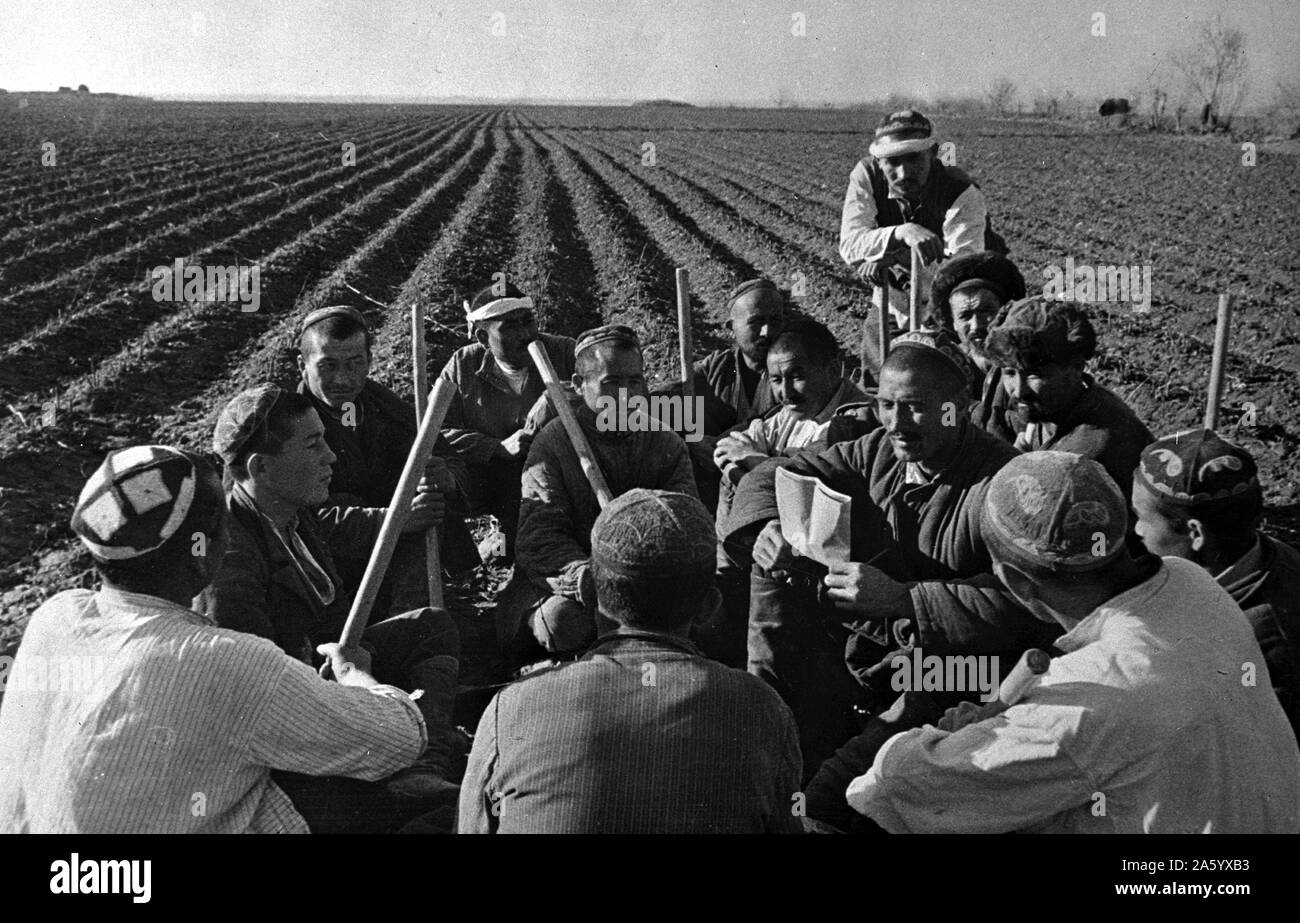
(420, 376)
(416, 460)
(685, 338)
(914, 292)
(560, 401)
(1222, 330)
(881, 297)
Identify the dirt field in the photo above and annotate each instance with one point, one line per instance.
(567, 203)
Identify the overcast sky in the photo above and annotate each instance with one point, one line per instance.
(713, 51)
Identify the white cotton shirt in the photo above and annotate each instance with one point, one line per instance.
(1159, 718)
(126, 713)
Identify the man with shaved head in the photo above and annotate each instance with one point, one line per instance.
(737, 377)
(917, 485)
(549, 605)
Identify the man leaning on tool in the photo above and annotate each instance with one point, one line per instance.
(902, 196)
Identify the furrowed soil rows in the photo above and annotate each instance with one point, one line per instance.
(561, 202)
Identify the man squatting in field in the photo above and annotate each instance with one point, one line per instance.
(733, 382)
(279, 581)
(550, 600)
(183, 727)
(803, 370)
(1198, 496)
(1142, 725)
(642, 734)
(902, 196)
(500, 402)
(917, 484)
(370, 430)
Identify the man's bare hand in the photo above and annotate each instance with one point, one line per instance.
(737, 449)
(954, 719)
(349, 665)
(866, 590)
(437, 476)
(515, 445)
(922, 239)
(771, 551)
(428, 509)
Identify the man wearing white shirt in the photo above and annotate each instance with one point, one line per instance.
(1157, 718)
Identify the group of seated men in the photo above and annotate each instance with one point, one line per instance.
(680, 668)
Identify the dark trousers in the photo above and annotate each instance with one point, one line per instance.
(414, 649)
(796, 645)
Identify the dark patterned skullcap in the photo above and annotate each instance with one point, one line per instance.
(611, 333)
(943, 343)
(1037, 331)
(336, 310)
(985, 269)
(1054, 510)
(1196, 469)
(654, 532)
(134, 502)
(241, 418)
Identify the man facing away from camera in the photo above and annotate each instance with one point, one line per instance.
(642, 734)
(129, 712)
(1148, 722)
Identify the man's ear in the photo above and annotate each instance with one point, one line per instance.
(302, 365)
(481, 335)
(1019, 584)
(710, 607)
(576, 380)
(1195, 534)
(256, 465)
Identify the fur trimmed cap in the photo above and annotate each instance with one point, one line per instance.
(653, 532)
(134, 502)
(985, 269)
(1038, 331)
(1197, 468)
(1055, 510)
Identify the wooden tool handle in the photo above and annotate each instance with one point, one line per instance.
(420, 376)
(395, 516)
(1222, 329)
(560, 401)
(914, 292)
(685, 338)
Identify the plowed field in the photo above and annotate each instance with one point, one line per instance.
(589, 210)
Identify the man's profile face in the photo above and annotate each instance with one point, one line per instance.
(300, 474)
(508, 336)
(918, 413)
(335, 370)
(1043, 393)
(609, 373)
(1159, 534)
(755, 321)
(973, 311)
(908, 173)
(799, 384)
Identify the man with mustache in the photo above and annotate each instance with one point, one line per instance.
(917, 485)
(549, 605)
(967, 293)
(902, 196)
(1042, 346)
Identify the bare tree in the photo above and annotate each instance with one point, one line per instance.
(1214, 66)
(1284, 113)
(1001, 95)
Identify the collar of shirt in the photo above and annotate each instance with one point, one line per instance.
(492, 373)
(333, 413)
(113, 600)
(1246, 565)
(1130, 602)
(627, 637)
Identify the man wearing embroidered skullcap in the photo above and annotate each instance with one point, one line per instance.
(549, 607)
(280, 580)
(1198, 496)
(919, 573)
(500, 402)
(1047, 400)
(128, 712)
(1146, 723)
(370, 430)
(902, 196)
(642, 734)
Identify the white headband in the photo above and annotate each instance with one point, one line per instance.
(496, 308)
